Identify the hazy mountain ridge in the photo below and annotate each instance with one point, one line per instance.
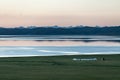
(56, 30)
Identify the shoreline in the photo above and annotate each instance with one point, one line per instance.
(30, 56)
(26, 56)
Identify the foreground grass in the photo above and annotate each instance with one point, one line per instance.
(60, 68)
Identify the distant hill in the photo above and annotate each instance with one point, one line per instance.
(55, 30)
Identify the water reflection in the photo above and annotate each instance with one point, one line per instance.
(58, 43)
(22, 51)
(59, 37)
(47, 40)
(19, 46)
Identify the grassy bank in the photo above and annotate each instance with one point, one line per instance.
(60, 68)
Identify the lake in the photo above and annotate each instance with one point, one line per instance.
(52, 45)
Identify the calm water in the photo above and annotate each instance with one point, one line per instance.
(13, 46)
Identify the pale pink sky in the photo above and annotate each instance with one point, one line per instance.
(59, 12)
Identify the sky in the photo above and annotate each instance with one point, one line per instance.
(59, 12)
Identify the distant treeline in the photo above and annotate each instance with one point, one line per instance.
(55, 30)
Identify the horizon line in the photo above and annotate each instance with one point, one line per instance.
(59, 26)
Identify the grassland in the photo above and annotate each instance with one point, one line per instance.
(60, 68)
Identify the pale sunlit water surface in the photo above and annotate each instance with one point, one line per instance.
(18, 46)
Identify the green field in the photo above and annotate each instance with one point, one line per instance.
(60, 68)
